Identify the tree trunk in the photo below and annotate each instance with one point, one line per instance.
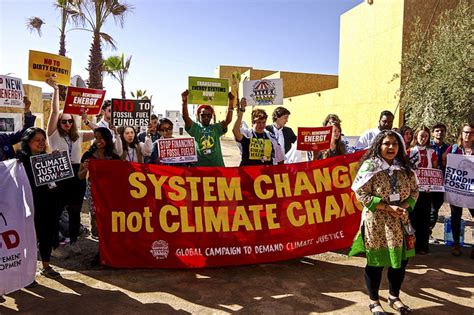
(124, 96)
(62, 52)
(95, 64)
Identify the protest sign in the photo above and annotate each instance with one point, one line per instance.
(189, 217)
(459, 180)
(263, 92)
(48, 168)
(209, 91)
(430, 179)
(177, 150)
(133, 113)
(11, 91)
(314, 138)
(17, 231)
(80, 99)
(42, 65)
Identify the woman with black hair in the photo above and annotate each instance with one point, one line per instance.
(45, 199)
(336, 147)
(386, 185)
(133, 150)
(101, 149)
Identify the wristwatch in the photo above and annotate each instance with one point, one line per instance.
(242, 109)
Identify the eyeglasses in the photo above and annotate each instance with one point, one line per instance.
(206, 115)
(166, 129)
(468, 132)
(67, 121)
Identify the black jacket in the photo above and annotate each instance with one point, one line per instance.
(288, 135)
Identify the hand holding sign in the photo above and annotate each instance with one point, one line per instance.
(184, 96)
(27, 103)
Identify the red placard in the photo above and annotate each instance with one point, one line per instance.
(154, 216)
(430, 179)
(314, 138)
(80, 99)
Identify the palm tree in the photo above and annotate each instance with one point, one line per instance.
(94, 14)
(117, 67)
(68, 12)
(141, 95)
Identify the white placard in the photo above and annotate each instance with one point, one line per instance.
(11, 92)
(263, 92)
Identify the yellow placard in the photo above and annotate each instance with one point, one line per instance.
(42, 66)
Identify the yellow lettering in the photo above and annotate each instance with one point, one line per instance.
(282, 185)
(118, 219)
(185, 227)
(322, 178)
(193, 181)
(163, 219)
(198, 219)
(135, 180)
(332, 208)
(208, 189)
(302, 183)
(340, 180)
(231, 191)
(147, 217)
(138, 221)
(176, 183)
(257, 222)
(157, 184)
(313, 209)
(216, 221)
(258, 188)
(241, 219)
(271, 216)
(295, 205)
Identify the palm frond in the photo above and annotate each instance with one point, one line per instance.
(34, 24)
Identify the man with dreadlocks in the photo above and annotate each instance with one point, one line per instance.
(207, 135)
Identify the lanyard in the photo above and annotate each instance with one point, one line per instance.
(393, 181)
(131, 159)
(206, 132)
(69, 145)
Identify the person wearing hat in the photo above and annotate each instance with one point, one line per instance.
(207, 135)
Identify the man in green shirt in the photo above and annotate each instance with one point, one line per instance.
(207, 135)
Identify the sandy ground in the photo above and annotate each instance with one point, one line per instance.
(329, 283)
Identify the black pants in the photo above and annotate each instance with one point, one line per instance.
(373, 277)
(46, 226)
(456, 213)
(437, 199)
(72, 193)
(420, 219)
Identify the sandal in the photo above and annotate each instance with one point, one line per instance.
(374, 305)
(403, 309)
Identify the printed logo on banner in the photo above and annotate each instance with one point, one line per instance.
(264, 92)
(133, 113)
(160, 249)
(11, 91)
(317, 138)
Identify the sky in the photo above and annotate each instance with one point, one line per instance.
(170, 40)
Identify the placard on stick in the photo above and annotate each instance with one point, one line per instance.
(209, 91)
(263, 92)
(177, 150)
(11, 91)
(42, 65)
(48, 168)
(79, 99)
(430, 179)
(130, 112)
(314, 138)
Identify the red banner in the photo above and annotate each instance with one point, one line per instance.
(154, 216)
(314, 138)
(79, 99)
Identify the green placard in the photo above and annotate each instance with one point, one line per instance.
(209, 91)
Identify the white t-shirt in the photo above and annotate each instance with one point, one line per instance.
(367, 138)
(56, 142)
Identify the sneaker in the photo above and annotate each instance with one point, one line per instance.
(433, 240)
(456, 250)
(60, 252)
(74, 248)
(33, 284)
(50, 273)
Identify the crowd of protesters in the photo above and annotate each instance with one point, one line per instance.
(391, 156)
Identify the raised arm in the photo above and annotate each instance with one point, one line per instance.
(86, 121)
(240, 113)
(187, 120)
(230, 110)
(54, 116)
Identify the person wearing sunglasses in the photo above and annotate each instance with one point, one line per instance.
(63, 135)
(207, 135)
(165, 128)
